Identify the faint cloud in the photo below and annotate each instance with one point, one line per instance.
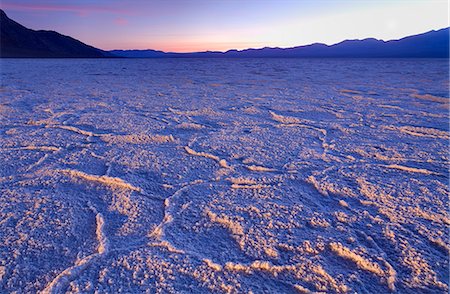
(81, 10)
(121, 21)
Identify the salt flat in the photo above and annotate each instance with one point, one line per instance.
(234, 176)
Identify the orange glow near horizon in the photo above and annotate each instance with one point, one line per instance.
(189, 47)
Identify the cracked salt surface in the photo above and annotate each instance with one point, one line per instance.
(255, 175)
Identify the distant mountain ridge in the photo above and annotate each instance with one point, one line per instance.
(19, 41)
(433, 44)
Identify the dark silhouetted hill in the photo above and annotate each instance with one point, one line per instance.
(19, 41)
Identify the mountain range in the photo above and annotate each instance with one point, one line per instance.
(19, 41)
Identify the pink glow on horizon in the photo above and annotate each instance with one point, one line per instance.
(187, 47)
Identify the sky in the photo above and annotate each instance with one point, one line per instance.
(219, 25)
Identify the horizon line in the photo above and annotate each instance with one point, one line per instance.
(270, 47)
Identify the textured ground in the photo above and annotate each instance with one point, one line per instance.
(273, 175)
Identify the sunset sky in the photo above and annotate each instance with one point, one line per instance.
(198, 25)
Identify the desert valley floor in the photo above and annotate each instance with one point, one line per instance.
(224, 176)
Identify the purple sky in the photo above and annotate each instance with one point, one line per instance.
(197, 25)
